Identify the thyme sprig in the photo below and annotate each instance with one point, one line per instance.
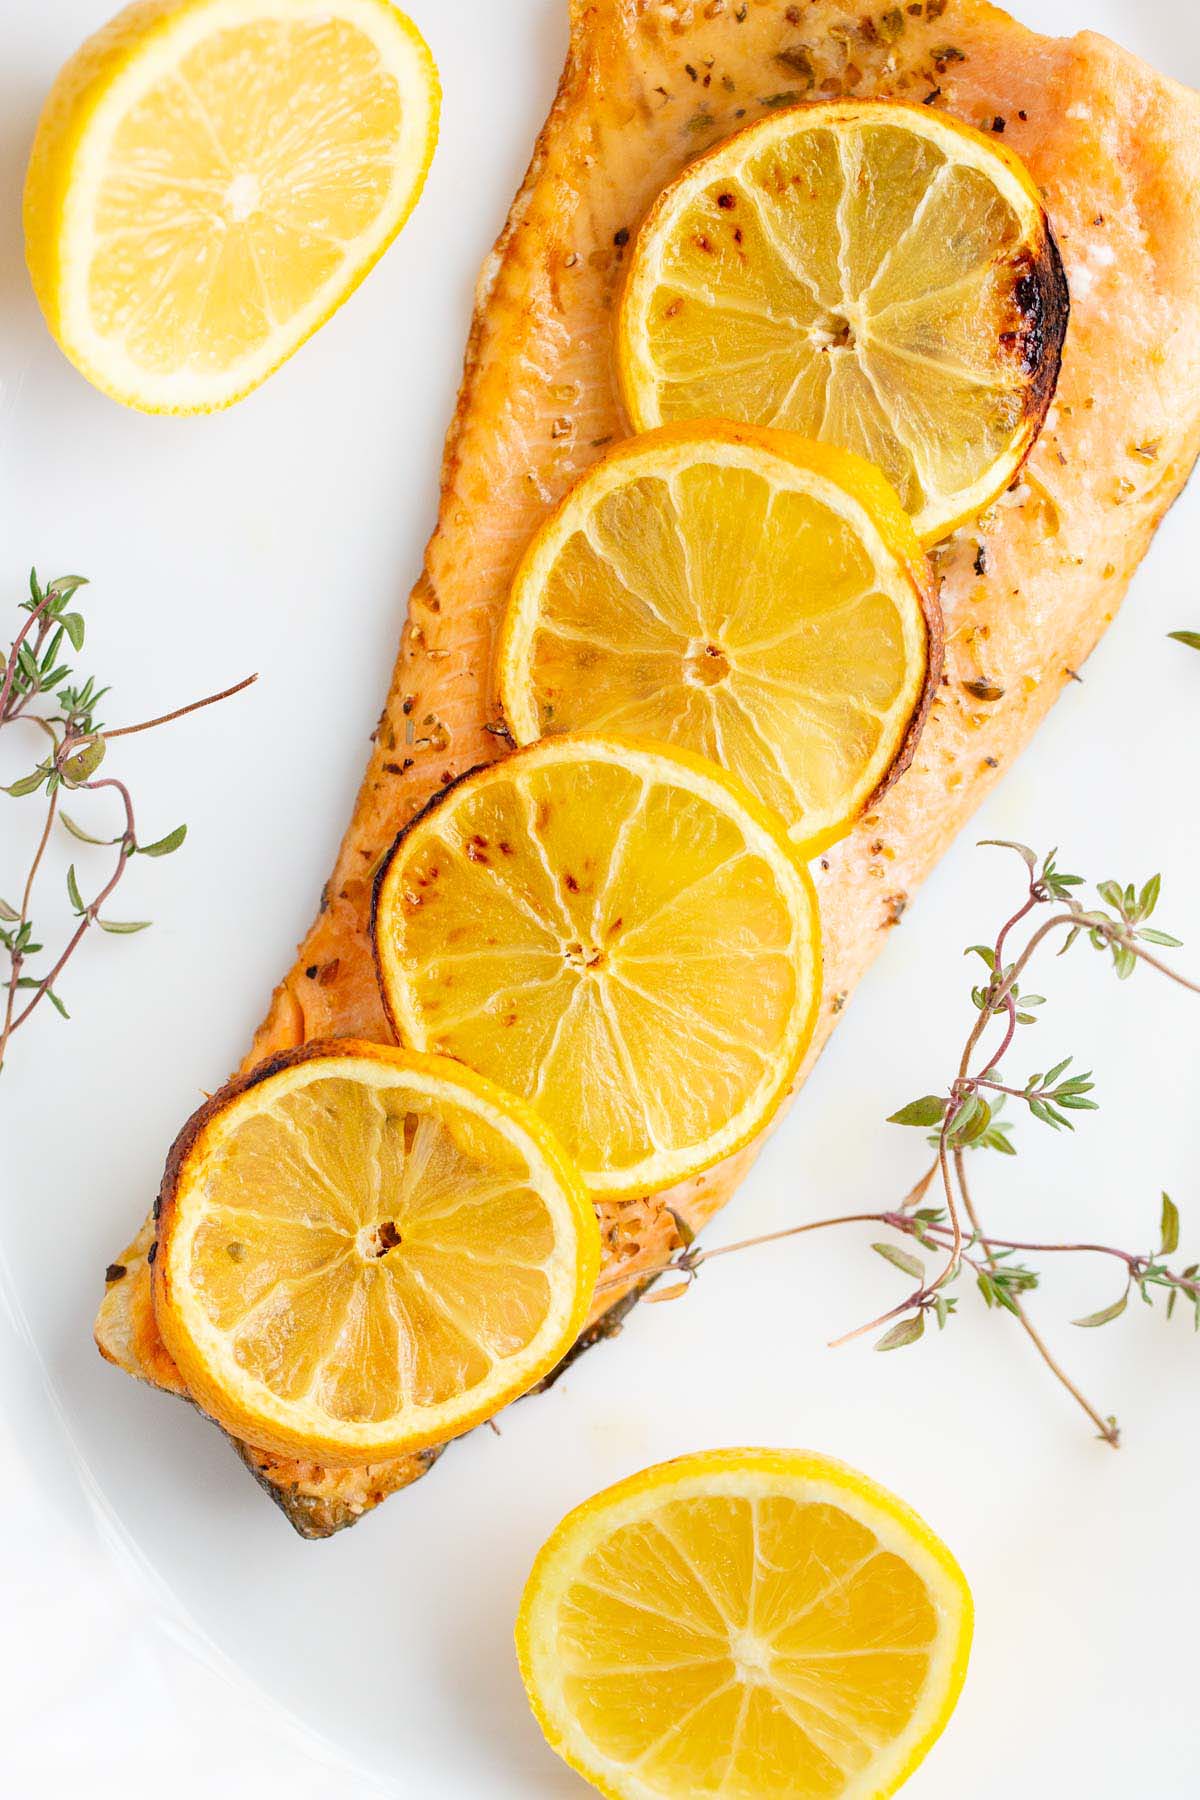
(966, 1118)
(39, 687)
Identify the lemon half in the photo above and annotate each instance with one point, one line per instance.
(210, 179)
(744, 1622)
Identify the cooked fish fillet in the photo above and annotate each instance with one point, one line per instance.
(1026, 593)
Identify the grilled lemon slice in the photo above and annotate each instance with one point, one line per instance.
(618, 933)
(361, 1250)
(874, 274)
(745, 593)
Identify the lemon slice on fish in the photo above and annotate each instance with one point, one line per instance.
(763, 1623)
(872, 273)
(211, 178)
(361, 1251)
(745, 593)
(618, 933)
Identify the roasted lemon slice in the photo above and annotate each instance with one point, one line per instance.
(361, 1250)
(871, 273)
(750, 1623)
(745, 593)
(210, 180)
(619, 934)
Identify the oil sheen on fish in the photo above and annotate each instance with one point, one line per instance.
(1027, 592)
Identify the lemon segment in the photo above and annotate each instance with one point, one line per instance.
(744, 593)
(871, 273)
(210, 179)
(616, 932)
(362, 1250)
(768, 1625)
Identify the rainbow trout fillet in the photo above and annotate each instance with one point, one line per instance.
(1026, 591)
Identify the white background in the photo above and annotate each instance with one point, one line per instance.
(162, 1629)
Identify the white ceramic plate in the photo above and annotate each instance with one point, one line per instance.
(143, 1565)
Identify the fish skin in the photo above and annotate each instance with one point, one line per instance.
(1115, 148)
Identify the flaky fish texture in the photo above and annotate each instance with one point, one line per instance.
(1027, 591)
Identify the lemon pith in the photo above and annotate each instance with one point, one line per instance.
(362, 1250)
(744, 1622)
(622, 935)
(210, 179)
(746, 593)
(872, 273)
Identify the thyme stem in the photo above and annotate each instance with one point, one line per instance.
(8, 708)
(90, 912)
(1106, 1428)
(181, 711)
(688, 1261)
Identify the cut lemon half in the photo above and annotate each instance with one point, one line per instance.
(618, 933)
(362, 1251)
(759, 1624)
(875, 274)
(211, 178)
(745, 593)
